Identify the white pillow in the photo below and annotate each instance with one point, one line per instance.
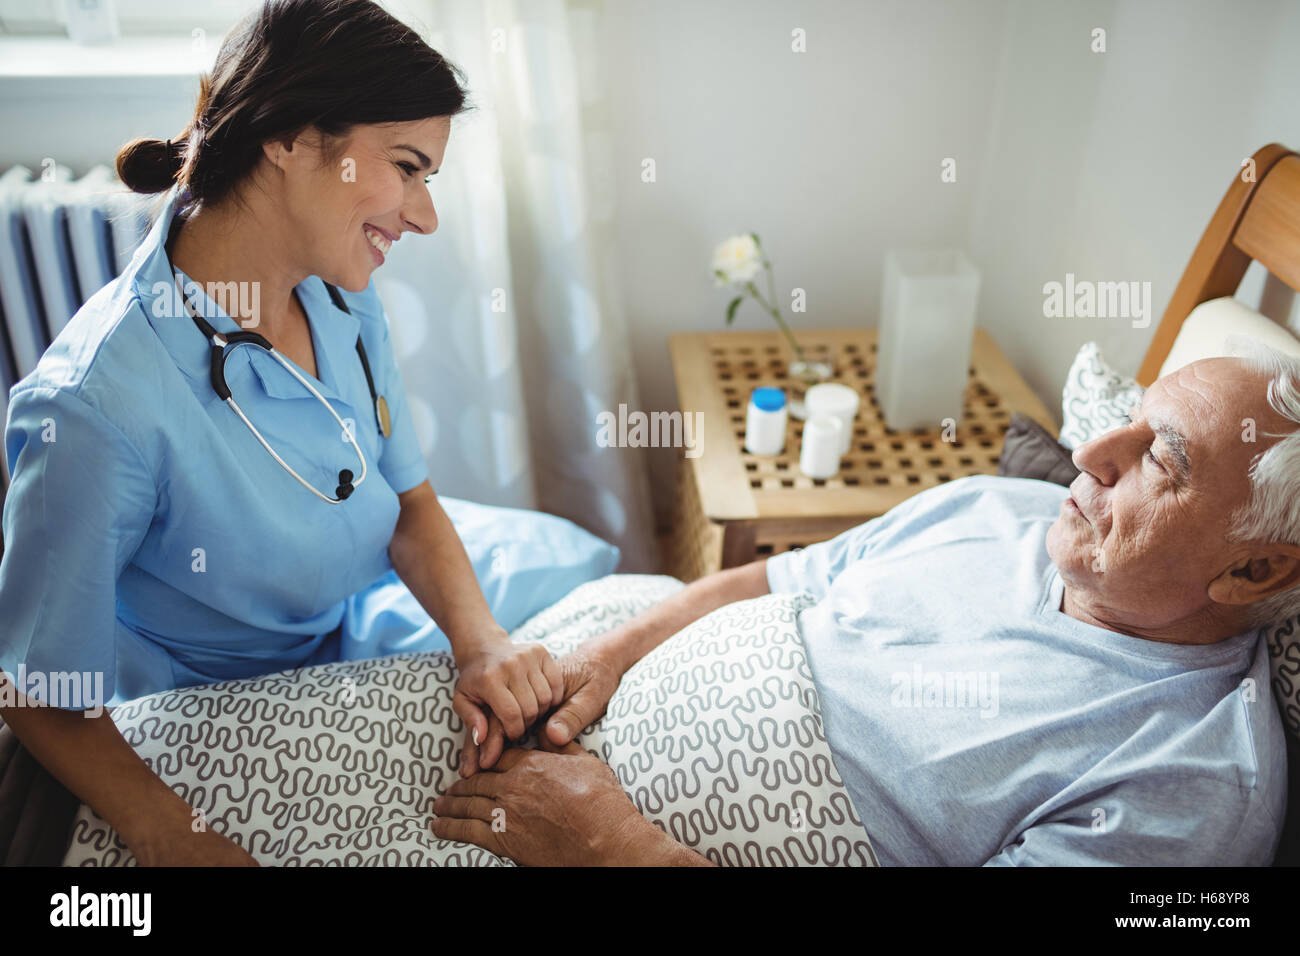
(1096, 397)
(1207, 329)
(716, 735)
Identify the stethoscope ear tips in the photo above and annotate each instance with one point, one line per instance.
(345, 488)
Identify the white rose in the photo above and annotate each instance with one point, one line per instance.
(738, 259)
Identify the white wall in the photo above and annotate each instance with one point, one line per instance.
(1104, 165)
(80, 125)
(1110, 165)
(831, 156)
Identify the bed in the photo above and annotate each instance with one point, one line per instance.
(1258, 220)
(524, 561)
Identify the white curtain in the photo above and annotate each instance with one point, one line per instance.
(507, 323)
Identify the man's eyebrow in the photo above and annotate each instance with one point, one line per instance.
(1177, 445)
(425, 162)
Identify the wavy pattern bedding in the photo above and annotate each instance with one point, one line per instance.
(716, 736)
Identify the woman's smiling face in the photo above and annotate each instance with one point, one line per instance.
(350, 208)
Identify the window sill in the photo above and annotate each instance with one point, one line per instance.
(131, 57)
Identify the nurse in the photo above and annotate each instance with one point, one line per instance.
(187, 505)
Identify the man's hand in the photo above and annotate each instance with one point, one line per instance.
(589, 680)
(553, 809)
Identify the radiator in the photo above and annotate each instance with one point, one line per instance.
(61, 241)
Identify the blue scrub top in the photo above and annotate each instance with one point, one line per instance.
(148, 535)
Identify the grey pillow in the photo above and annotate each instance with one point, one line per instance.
(1030, 451)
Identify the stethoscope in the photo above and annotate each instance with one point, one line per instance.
(223, 343)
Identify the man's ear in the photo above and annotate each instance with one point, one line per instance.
(1261, 573)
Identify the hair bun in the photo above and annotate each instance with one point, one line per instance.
(150, 165)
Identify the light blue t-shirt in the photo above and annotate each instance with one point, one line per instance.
(974, 722)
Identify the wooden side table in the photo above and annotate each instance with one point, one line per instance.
(732, 507)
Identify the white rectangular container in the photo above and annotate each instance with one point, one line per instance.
(927, 323)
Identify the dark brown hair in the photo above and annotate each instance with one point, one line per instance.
(294, 64)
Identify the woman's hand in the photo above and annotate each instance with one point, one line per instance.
(589, 681)
(516, 682)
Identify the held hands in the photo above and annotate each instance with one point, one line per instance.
(588, 681)
(578, 812)
(515, 683)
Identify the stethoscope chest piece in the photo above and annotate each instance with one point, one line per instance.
(381, 411)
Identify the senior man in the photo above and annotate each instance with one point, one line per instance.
(1134, 722)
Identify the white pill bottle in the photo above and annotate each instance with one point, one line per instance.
(765, 422)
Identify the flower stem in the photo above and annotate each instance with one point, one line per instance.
(774, 311)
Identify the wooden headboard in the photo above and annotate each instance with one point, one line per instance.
(1258, 219)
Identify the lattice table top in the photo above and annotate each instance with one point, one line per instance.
(716, 371)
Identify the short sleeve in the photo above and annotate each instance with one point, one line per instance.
(1163, 821)
(812, 569)
(80, 501)
(401, 462)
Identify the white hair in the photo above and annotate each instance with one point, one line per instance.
(1271, 512)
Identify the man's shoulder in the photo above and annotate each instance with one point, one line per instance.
(1027, 490)
(1000, 502)
(983, 511)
